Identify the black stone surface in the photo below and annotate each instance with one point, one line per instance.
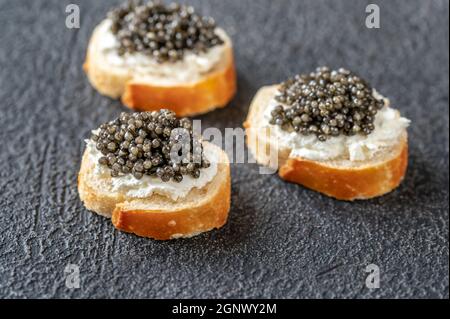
(281, 239)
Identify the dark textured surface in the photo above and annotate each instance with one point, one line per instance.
(281, 239)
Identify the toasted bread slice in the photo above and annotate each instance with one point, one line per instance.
(158, 216)
(213, 89)
(341, 179)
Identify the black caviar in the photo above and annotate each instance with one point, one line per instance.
(326, 103)
(150, 143)
(162, 31)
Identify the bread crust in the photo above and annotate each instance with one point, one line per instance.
(157, 216)
(214, 90)
(184, 222)
(344, 182)
(348, 183)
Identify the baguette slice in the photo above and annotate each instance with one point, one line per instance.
(342, 179)
(213, 90)
(157, 216)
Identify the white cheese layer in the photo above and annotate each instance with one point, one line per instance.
(148, 185)
(389, 126)
(189, 69)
